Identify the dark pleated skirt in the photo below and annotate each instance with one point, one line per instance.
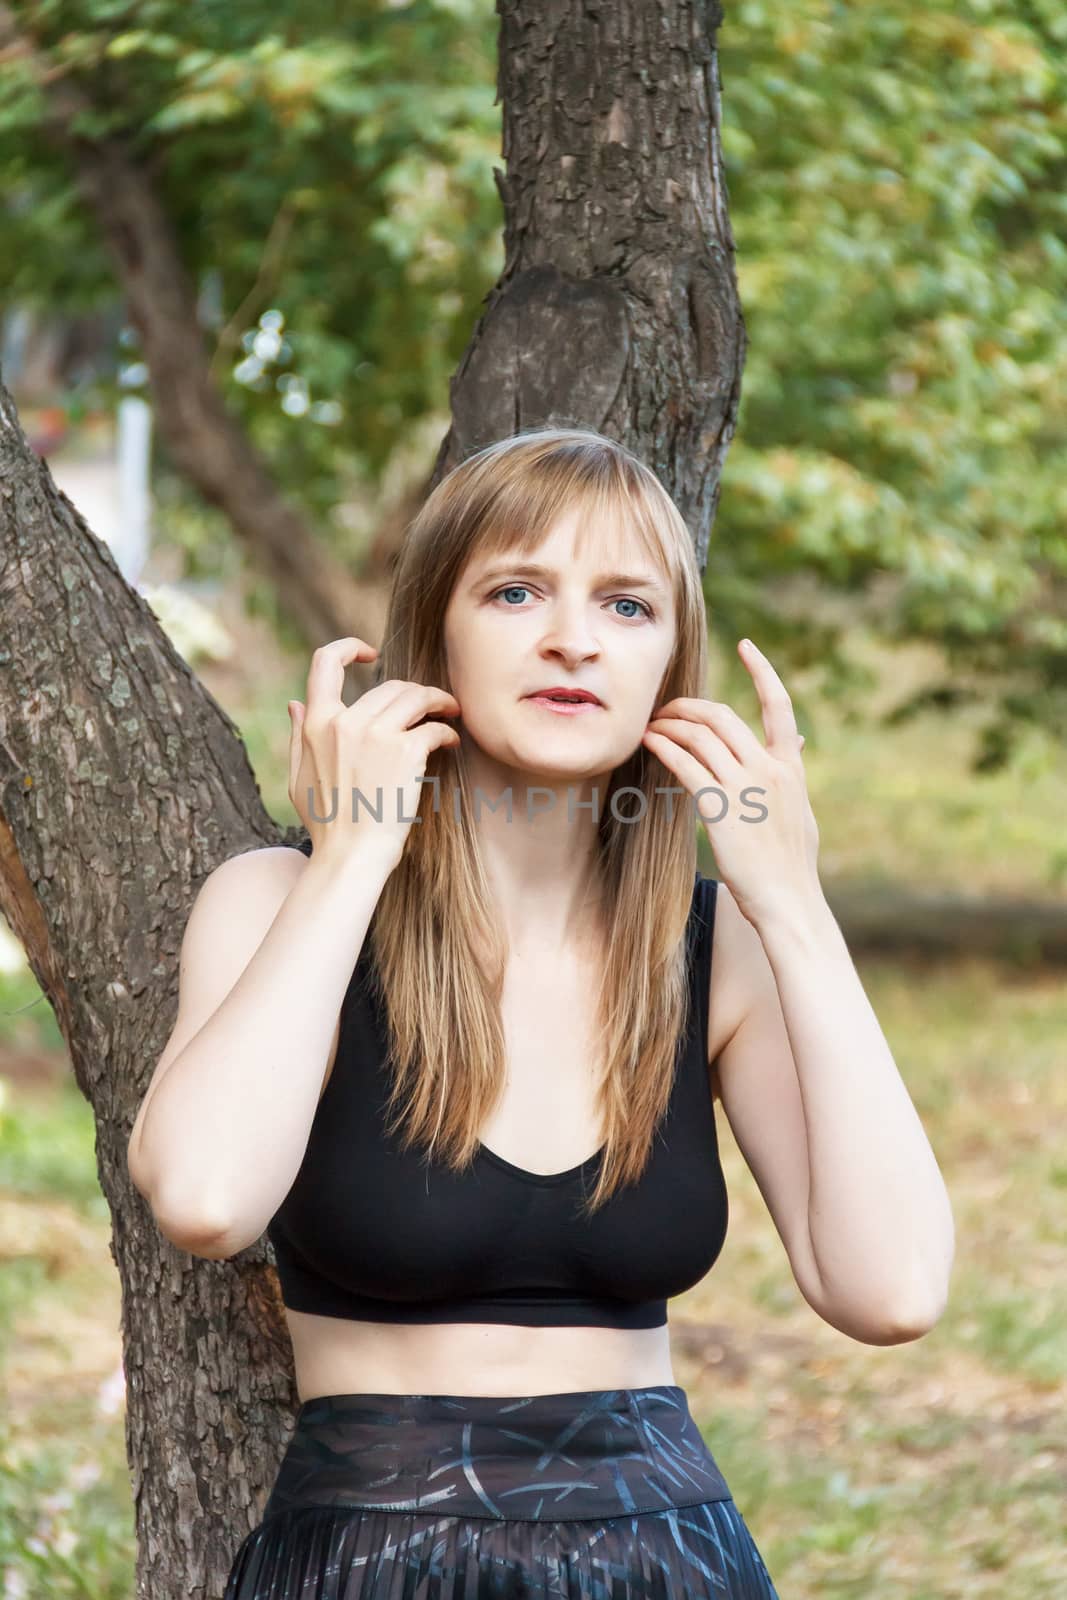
(599, 1494)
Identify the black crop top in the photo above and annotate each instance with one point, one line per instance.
(373, 1233)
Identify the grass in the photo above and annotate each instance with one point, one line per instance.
(913, 1472)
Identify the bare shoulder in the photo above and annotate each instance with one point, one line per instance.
(265, 860)
(233, 908)
(736, 954)
(230, 915)
(242, 886)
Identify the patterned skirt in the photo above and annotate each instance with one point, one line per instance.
(602, 1494)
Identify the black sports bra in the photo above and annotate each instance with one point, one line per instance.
(376, 1234)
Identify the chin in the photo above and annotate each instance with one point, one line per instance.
(550, 759)
(541, 766)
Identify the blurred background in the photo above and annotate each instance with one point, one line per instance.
(891, 532)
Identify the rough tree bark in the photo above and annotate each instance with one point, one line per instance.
(122, 784)
(617, 307)
(207, 446)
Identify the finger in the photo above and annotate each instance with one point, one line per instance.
(779, 720)
(690, 771)
(704, 743)
(296, 711)
(439, 734)
(723, 720)
(408, 702)
(326, 675)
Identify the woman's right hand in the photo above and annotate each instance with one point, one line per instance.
(370, 745)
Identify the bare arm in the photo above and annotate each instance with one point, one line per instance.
(267, 955)
(879, 1215)
(826, 1125)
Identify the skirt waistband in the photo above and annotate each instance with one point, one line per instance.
(577, 1454)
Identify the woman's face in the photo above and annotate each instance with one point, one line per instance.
(511, 631)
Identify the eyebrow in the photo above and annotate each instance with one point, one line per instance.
(605, 580)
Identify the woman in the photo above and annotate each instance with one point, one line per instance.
(503, 922)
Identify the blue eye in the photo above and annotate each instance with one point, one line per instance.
(622, 600)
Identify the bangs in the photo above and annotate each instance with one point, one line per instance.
(614, 502)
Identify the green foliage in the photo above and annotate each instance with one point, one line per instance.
(897, 195)
(897, 199)
(330, 187)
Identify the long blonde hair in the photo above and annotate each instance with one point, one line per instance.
(439, 949)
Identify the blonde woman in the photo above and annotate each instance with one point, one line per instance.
(463, 1062)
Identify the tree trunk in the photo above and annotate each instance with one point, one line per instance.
(617, 307)
(207, 446)
(123, 783)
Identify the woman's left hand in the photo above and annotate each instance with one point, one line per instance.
(765, 842)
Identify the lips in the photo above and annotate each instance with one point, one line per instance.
(569, 706)
(566, 696)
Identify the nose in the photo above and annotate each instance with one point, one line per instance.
(568, 636)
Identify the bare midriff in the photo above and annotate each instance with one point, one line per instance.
(334, 1355)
